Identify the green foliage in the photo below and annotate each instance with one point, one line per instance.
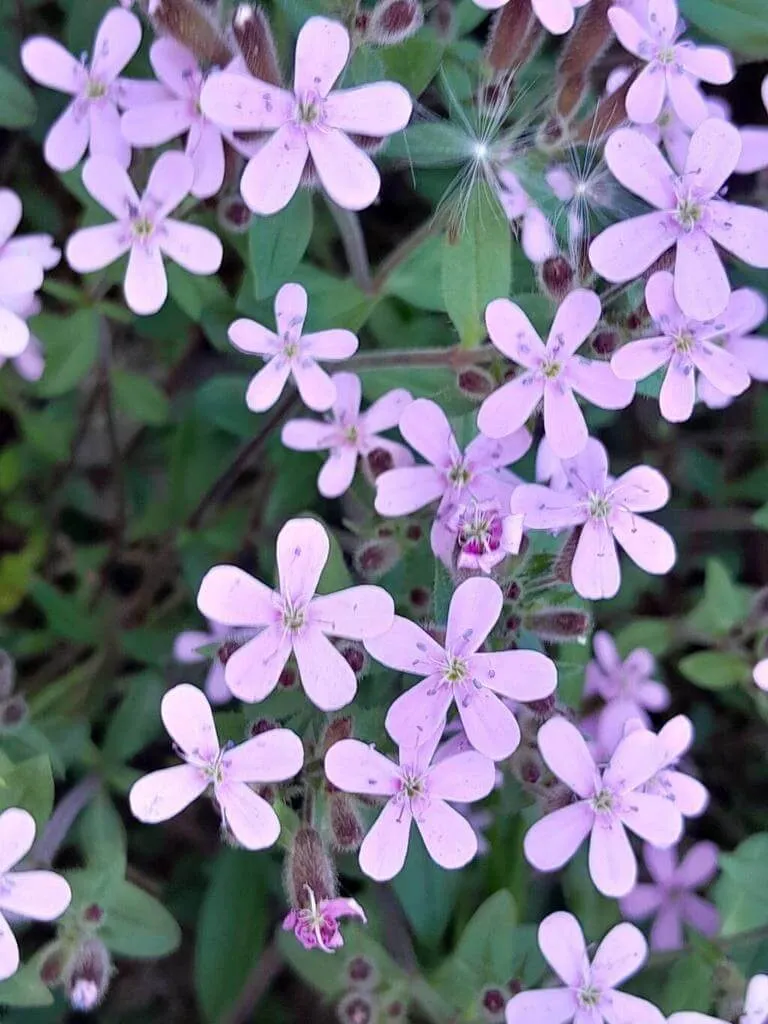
(741, 892)
(715, 670)
(17, 104)
(427, 893)
(28, 784)
(277, 244)
(741, 25)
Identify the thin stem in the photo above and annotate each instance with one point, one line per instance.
(118, 477)
(63, 818)
(353, 240)
(257, 984)
(453, 357)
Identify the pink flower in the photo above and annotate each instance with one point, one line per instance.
(756, 1002)
(552, 373)
(22, 261)
(549, 467)
(39, 895)
(485, 535)
(754, 152)
(39, 248)
(760, 674)
(672, 898)
(350, 433)
(687, 794)
(143, 228)
(590, 995)
(92, 116)
(416, 789)
(684, 345)
(185, 651)
(317, 926)
(294, 619)
(272, 756)
(457, 672)
(537, 237)
(453, 477)
(609, 802)
(291, 353)
(746, 310)
(689, 215)
(672, 69)
(557, 16)
(175, 112)
(312, 125)
(607, 511)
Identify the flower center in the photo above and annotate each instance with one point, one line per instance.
(479, 531)
(689, 212)
(589, 996)
(602, 803)
(666, 55)
(142, 228)
(351, 434)
(551, 369)
(309, 109)
(412, 784)
(684, 342)
(459, 475)
(456, 670)
(294, 617)
(95, 89)
(599, 506)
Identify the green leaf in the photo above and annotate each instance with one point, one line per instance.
(715, 670)
(29, 784)
(656, 635)
(741, 892)
(231, 932)
(71, 347)
(442, 592)
(137, 721)
(417, 279)
(25, 989)
(477, 266)
(427, 893)
(101, 836)
(277, 244)
(689, 986)
(435, 382)
(487, 944)
(432, 144)
(140, 398)
(137, 925)
(65, 615)
(17, 104)
(760, 518)
(221, 401)
(741, 25)
(415, 62)
(723, 605)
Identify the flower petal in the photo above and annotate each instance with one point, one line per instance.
(545, 509)
(406, 647)
(383, 850)
(317, 390)
(347, 174)
(188, 719)
(17, 833)
(702, 288)
(408, 488)
(243, 103)
(490, 726)
(49, 64)
(620, 1007)
(567, 755)
(194, 248)
(641, 489)
(156, 123)
(678, 390)
(67, 139)
(621, 954)
(564, 425)
(322, 49)
(449, 838)
(333, 344)
(338, 472)
(326, 675)
(712, 155)
(612, 863)
(252, 672)
(595, 571)
(14, 334)
(639, 359)
(356, 767)
(164, 794)
(272, 756)
(38, 895)
(234, 598)
(741, 230)
(93, 248)
(513, 333)
(205, 148)
(146, 286)
(637, 759)
(110, 185)
(462, 778)
(699, 866)
(642, 902)
(641, 168)
(357, 613)
(646, 543)
(302, 551)
(117, 40)
(545, 1006)
(562, 943)
(721, 369)
(251, 819)
(273, 173)
(9, 951)
(419, 713)
(474, 611)
(632, 36)
(645, 97)
(625, 250)
(377, 110)
(653, 818)
(386, 411)
(552, 841)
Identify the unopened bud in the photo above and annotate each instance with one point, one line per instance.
(227, 649)
(260, 726)
(559, 625)
(88, 975)
(52, 967)
(288, 677)
(442, 18)
(393, 21)
(13, 712)
(507, 35)
(605, 343)
(395, 1011)
(356, 1008)
(362, 973)
(233, 214)
(308, 868)
(610, 114)
(528, 767)
(556, 277)
(512, 591)
(564, 561)
(355, 656)
(543, 709)
(493, 1002)
(379, 461)
(583, 46)
(338, 729)
(7, 674)
(420, 599)
(414, 532)
(475, 383)
(191, 25)
(253, 34)
(374, 558)
(346, 827)
(638, 318)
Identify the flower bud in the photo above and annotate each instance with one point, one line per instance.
(610, 114)
(288, 677)
(564, 560)
(13, 712)
(253, 35)
(584, 44)
(605, 343)
(559, 625)
(393, 21)
(414, 532)
(493, 1002)
(475, 383)
(233, 214)
(556, 277)
(356, 1008)
(420, 599)
(355, 656)
(362, 973)
(308, 869)
(88, 974)
(378, 461)
(259, 726)
(374, 558)
(191, 25)
(543, 709)
(338, 729)
(508, 33)
(442, 18)
(395, 1011)
(7, 674)
(52, 966)
(346, 827)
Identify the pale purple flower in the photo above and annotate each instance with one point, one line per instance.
(756, 1002)
(591, 993)
(557, 16)
(143, 228)
(317, 926)
(22, 262)
(754, 143)
(685, 792)
(684, 346)
(272, 756)
(452, 476)
(673, 68)
(294, 618)
(416, 790)
(460, 672)
(746, 310)
(92, 117)
(607, 512)
(312, 125)
(290, 352)
(552, 373)
(549, 467)
(39, 895)
(671, 897)
(609, 801)
(760, 674)
(186, 651)
(350, 433)
(536, 236)
(485, 535)
(689, 215)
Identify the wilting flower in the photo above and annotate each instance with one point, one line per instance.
(39, 895)
(317, 926)
(416, 790)
(294, 618)
(272, 756)
(552, 373)
(671, 896)
(684, 345)
(591, 992)
(291, 353)
(607, 512)
(311, 125)
(92, 116)
(186, 651)
(689, 215)
(460, 672)
(350, 433)
(485, 535)
(143, 228)
(609, 802)
(557, 16)
(673, 69)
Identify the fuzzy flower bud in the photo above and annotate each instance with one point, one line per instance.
(559, 625)
(87, 977)
(362, 973)
(253, 35)
(605, 343)
(346, 827)
(309, 869)
(13, 712)
(191, 25)
(374, 558)
(233, 214)
(584, 45)
(475, 383)
(7, 674)
(508, 33)
(493, 1002)
(338, 729)
(564, 560)
(556, 277)
(356, 1008)
(393, 21)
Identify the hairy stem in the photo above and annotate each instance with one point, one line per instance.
(63, 818)
(353, 240)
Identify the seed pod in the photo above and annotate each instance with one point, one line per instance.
(233, 214)
(362, 973)
(442, 18)
(308, 867)
(355, 656)
(475, 383)
(378, 461)
(507, 38)
(493, 1002)
(346, 827)
(87, 976)
(191, 25)
(373, 558)
(605, 343)
(253, 34)
(393, 21)
(559, 625)
(564, 560)
(556, 277)
(356, 1008)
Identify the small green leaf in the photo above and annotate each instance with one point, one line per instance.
(741, 25)
(723, 604)
(221, 401)
(29, 785)
(140, 398)
(487, 944)
(715, 670)
(138, 925)
(25, 989)
(137, 721)
(442, 592)
(231, 932)
(71, 347)
(415, 62)
(432, 144)
(102, 836)
(66, 617)
(689, 986)
(427, 893)
(17, 104)
(435, 382)
(278, 243)
(741, 892)
(760, 518)
(417, 279)
(656, 635)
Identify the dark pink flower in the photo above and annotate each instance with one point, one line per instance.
(317, 926)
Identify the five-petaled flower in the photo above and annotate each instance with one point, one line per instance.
(143, 228)
(557, 16)
(22, 262)
(312, 126)
(608, 802)
(460, 672)
(416, 790)
(316, 926)
(294, 618)
(230, 770)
